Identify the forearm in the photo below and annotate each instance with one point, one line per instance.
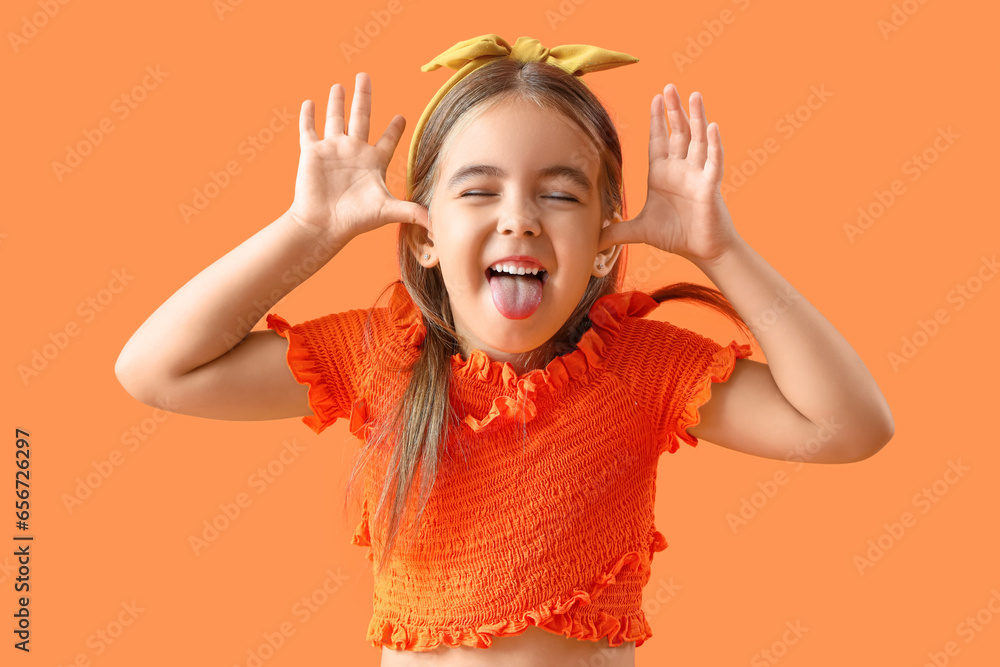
(814, 367)
(217, 308)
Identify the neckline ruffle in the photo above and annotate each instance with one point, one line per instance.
(516, 394)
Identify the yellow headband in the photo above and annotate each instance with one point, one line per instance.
(471, 54)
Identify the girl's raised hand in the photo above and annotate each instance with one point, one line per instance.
(684, 212)
(340, 185)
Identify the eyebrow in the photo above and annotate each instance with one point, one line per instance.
(470, 171)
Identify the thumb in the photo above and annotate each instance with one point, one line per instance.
(621, 233)
(407, 212)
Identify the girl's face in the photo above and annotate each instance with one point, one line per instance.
(518, 181)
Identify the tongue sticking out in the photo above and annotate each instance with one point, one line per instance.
(516, 297)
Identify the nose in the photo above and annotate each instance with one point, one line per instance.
(519, 215)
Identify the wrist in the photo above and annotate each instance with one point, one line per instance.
(736, 246)
(324, 237)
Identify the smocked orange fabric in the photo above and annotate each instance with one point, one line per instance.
(542, 511)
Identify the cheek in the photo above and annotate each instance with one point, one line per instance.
(461, 254)
(579, 251)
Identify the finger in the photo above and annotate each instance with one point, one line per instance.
(620, 233)
(334, 112)
(361, 107)
(386, 145)
(407, 212)
(716, 154)
(698, 148)
(680, 133)
(658, 135)
(307, 129)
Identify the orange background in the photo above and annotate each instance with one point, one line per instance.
(794, 561)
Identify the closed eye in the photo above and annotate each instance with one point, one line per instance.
(490, 194)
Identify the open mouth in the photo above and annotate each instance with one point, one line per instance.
(542, 274)
(516, 292)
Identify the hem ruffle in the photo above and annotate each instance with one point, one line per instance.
(307, 371)
(606, 315)
(720, 367)
(559, 615)
(362, 536)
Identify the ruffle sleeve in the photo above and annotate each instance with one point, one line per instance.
(671, 370)
(326, 354)
(720, 365)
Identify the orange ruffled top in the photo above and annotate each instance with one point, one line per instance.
(542, 511)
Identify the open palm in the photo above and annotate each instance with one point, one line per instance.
(340, 185)
(684, 212)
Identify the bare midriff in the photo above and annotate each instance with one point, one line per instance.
(532, 648)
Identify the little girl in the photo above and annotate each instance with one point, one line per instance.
(507, 372)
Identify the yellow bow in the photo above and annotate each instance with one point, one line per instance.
(471, 54)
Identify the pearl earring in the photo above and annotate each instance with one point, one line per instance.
(427, 256)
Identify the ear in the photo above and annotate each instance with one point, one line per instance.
(609, 256)
(421, 243)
